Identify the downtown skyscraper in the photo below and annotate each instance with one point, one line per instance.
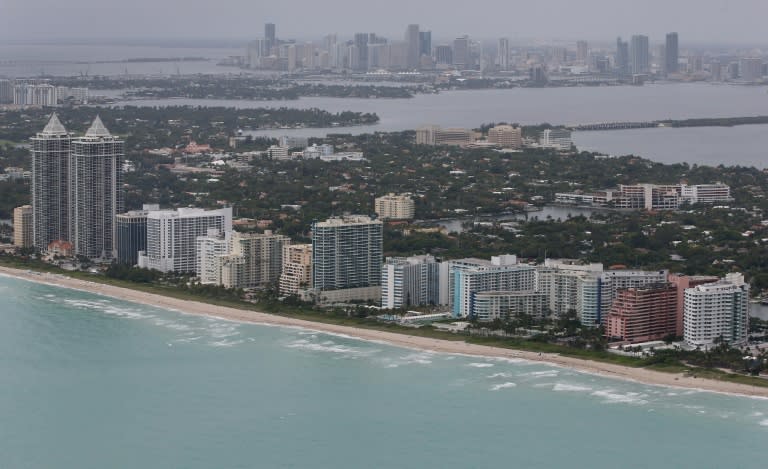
(413, 44)
(96, 183)
(671, 54)
(639, 59)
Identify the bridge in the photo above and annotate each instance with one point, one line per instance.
(615, 125)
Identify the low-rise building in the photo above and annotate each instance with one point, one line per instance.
(434, 135)
(558, 139)
(504, 305)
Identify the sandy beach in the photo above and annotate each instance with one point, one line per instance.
(401, 340)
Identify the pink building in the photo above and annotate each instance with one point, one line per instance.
(643, 314)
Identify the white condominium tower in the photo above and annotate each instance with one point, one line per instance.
(717, 310)
(172, 237)
(96, 183)
(346, 253)
(50, 184)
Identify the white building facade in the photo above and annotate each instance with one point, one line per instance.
(717, 311)
(172, 237)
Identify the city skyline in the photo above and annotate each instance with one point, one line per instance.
(236, 19)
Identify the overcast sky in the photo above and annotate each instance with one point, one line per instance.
(721, 21)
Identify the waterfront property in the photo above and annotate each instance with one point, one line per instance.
(650, 196)
(413, 281)
(347, 255)
(716, 312)
(23, 227)
(131, 234)
(172, 237)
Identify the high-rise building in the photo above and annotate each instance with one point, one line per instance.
(639, 59)
(642, 314)
(671, 54)
(50, 184)
(443, 55)
(413, 41)
(96, 185)
(461, 55)
(255, 260)
(425, 43)
(413, 281)
(716, 70)
(682, 283)
(212, 249)
(346, 253)
(42, 94)
(467, 277)
(297, 268)
(361, 50)
(621, 60)
(502, 54)
(717, 311)
(269, 37)
(572, 286)
(582, 52)
(23, 227)
(506, 136)
(394, 207)
(172, 237)
(131, 228)
(751, 69)
(6, 91)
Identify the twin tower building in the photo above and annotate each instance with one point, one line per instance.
(77, 189)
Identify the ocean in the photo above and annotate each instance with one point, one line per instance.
(92, 382)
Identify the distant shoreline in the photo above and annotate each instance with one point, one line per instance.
(196, 308)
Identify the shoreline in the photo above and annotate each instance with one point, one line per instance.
(608, 370)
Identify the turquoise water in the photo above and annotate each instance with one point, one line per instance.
(91, 382)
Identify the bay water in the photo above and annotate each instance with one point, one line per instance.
(90, 382)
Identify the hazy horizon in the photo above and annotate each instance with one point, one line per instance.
(707, 22)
